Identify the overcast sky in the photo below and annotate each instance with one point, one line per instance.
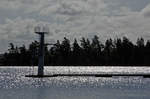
(73, 18)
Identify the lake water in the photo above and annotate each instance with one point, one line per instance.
(14, 84)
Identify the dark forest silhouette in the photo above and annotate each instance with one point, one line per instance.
(117, 52)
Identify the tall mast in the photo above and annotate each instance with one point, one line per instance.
(41, 32)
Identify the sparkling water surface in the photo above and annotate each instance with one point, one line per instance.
(14, 84)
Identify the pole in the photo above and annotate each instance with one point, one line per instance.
(41, 56)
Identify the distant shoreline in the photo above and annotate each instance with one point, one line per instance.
(120, 52)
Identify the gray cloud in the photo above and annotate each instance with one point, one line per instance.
(73, 18)
(146, 11)
(134, 5)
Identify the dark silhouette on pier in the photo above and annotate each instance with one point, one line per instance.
(86, 52)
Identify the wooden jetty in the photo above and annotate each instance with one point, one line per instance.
(89, 75)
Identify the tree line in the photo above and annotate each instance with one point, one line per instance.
(116, 52)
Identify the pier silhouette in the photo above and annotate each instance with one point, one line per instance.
(90, 75)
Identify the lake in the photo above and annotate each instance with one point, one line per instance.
(14, 84)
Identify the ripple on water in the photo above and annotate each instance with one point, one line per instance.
(15, 78)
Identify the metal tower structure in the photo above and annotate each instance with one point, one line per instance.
(41, 31)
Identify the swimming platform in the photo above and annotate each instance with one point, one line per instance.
(89, 75)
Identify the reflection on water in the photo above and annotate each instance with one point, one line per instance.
(14, 84)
